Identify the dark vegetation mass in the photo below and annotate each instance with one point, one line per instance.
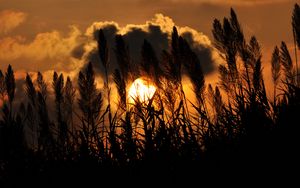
(229, 130)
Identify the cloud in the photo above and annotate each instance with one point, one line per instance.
(70, 52)
(50, 50)
(157, 31)
(10, 19)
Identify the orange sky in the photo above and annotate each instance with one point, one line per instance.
(41, 34)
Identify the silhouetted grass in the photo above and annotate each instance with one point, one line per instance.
(167, 137)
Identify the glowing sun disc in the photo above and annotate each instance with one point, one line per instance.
(141, 90)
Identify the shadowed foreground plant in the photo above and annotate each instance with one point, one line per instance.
(2, 86)
(10, 88)
(296, 34)
(275, 68)
(90, 103)
(287, 63)
(232, 126)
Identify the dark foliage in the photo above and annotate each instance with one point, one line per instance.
(232, 129)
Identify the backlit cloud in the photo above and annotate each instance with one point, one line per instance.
(157, 31)
(68, 53)
(50, 50)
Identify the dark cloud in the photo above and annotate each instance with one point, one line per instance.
(78, 51)
(110, 32)
(157, 32)
(204, 53)
(135, 38)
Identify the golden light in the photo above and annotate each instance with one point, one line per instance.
(142, 90)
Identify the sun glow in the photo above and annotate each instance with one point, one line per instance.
(142, 90)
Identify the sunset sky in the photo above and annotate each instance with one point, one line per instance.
(52, 35)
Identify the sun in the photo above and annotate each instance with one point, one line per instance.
(141, 89)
